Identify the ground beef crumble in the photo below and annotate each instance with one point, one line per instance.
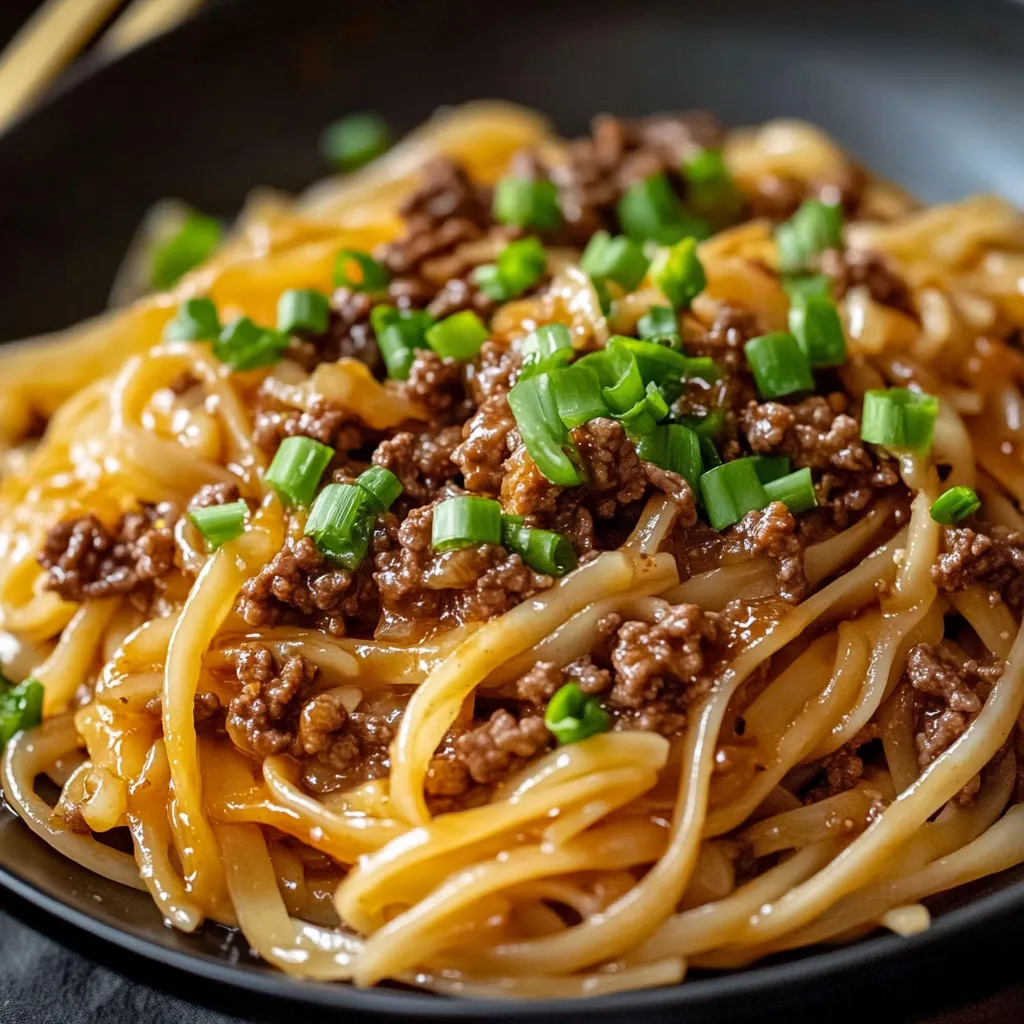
(771, 532)
(422, 462)
(492, 750)
(989, 555)
(84, 559)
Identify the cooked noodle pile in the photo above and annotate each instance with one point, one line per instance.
(806, 721)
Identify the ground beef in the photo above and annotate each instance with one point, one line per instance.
(84, 559)
(469, 584)
(459, 293)
(485, 445)
(539, 684)
(348, 335)
(856, 268)
(667, 658)
(948, 696)
(844, 768)
(492, 750)
(988, 555)
(495, 371)
(214, 494)
(771, 532)
(323, 421)
(778, 197)
(422, 462)
(438, 385)
(299, 586)
(525, 491)
(278, 712)
(617, 154)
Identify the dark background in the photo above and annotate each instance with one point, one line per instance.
(41, 981)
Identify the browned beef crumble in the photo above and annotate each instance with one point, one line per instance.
(279, 712)
(323, 421)
(214, 494)
(948, 696)
(485, 445)
(469, 584)
(422, 462)
(985, 554)
(777, 197)
(299, 585)
(844, 768)
(495, 371)
(539, 684)
(771, 532)
(492, 750)
(852, 268)
(348, 335)
(84, 559)
(438, 385)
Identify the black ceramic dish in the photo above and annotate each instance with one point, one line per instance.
(927, 92)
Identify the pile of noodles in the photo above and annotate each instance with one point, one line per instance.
(605, 864)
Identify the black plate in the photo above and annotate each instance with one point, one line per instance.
(927, 92)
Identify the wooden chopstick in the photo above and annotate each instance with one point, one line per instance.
(143, 20)
(47, 41)
(59, 29)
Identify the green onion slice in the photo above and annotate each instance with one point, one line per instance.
(464, 521)
(709, 426)
(646, 414)
(399, 332)
(303, 310)
(798, 286)
(955, 504)
(359, 272)
(244, 345)
(578, 395)
(355, 140)
(710, 190)
(675, 448)
(220, 523)
(196, 320)
(730, 491)
(296, 469)
(678, 273)
(899, 418)
(794, 490)
(814, 322)
(542, 550)
(194, 241)
(527, 203)
(617, 259)
(21, 707)
(535, 408)
(650, 211)
(779, 365)
(573, 716)
(458, 336)
(770, 467)
(546, 348)
(815, 227)
(341, 523)
(382, 485)
(709, 453)
(622, 384)
(659, 322)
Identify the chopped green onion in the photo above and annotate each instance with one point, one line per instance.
(535, 408)
(458, 336)
(646, 414)
(709, 426)
(709, 453)
(527, 203)
(770, 467)
(359, 272)
(779, 365)
(220, 523)
(651, 211)
(617, 259)
(542, 550)
(621, 382)
(814, 322)
(244, 345)
(678, 273)
(730, 491)
(520, 266)
(302, 310)
(546, 348)
(355, 140)
(675, 448)
(341, 523)
(815, 227)
(573, 716)
(955, 504)
(399, 333)
(657, 363)
(578, 396)
(794, 490)
(899, 418)
(196, 320)
(21, 707)
(464, 521)
(710, 190)
(382, 485)
(799, 285)
(659, 322)
(296, 469)
(194, 241)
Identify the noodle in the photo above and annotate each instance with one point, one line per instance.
(455, 721)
